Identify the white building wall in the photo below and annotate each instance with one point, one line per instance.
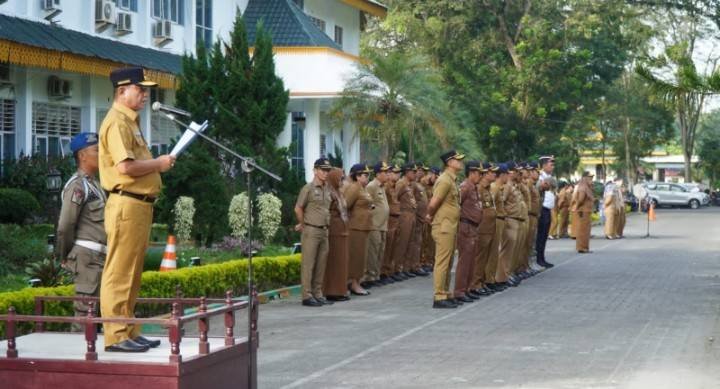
(336, 13)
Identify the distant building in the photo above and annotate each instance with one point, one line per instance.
(55, 56)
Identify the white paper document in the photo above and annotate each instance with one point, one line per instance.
(188, 137)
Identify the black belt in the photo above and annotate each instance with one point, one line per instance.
(145, 198)
(516, 218)
(320, 227)
(391, 215)
(470, 222)
(533, 214)
(500, 217)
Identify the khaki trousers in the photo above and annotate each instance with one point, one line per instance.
(530, 239)
(621, 223)
(582, 226)
(86, 267)
(563, 222)
(611, 221)
(484, 269)
(468, 245)
(314, 259)
(444, 252)
(388, 266)
(402, 240)
(375, 253)
(427, 257)
(554, 223)
(127, 224)
(508, 244)
(520, 252)
(415, 247)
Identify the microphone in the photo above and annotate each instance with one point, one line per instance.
(160, 107)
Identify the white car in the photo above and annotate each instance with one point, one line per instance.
(669, 194)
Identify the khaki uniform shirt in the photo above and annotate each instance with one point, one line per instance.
(583, 199)
(514, 201)
(470, 205)
(392, 199)
(82, 214)
(487, 225)
(315, 199)
(448, 214)
(405, 195)
(498, 192)
(381, 213)
(421, 201)
(358, 204)
(120, 140)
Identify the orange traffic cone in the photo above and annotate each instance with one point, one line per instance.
(651, 212)
(169, 260)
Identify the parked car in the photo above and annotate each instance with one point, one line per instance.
(669, 194)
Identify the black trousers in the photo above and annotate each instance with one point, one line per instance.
(542, 234)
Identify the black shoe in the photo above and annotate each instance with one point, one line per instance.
(337, 298)
(428, 269)
(387, 280)
(513, 282)
(444, 304)
(465, 299)
(128, 346)
(363, 293)
(311, 302)
(324, 301)
(147, 342)
(500, 286)
(485, 291)
(420, 273)
(473, 295)
(547, 265)
(456, 301)
(367, 284)
(396, 277)
(584, 252)
(402, 275)
(409, 274)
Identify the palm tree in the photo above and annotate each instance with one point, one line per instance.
(394, 95)
(687, 94)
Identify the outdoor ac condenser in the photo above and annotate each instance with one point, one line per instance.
(104, 12)
(124, 23)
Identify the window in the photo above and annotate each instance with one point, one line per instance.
(127, 5)
(169, 10)
(297, 160)
(676, 188)
(53, 127)
(318, 22)
(339, 35)
(203, 22)
(7, 129)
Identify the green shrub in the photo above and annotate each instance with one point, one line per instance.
(210, 281)
(19, 246)
(17, 205)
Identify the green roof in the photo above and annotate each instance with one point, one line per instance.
(287, 23)
(56, 38)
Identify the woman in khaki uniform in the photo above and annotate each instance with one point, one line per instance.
(610, 210)
(359, 205)
(582, 207)
(336, 270)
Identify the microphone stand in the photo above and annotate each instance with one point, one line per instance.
(248, 165)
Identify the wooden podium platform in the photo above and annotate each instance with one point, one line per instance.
(56, 360)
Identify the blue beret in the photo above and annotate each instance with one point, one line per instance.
(83, 140)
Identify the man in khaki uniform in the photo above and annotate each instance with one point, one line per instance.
(487, 253)
(312, 210)
(421, 201)
(497, 189)
(534, 215)
(427, 257)
(81, 239)
(444, 215)
(565, 198)
(516, 215)
(132, 177)
(521, 252)
(380, 215)
(387, 272)
(406, 196)
(468, 241)
(581, 207)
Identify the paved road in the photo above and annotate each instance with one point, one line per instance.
(637, 313)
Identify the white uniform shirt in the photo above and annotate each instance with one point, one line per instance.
(549, 199)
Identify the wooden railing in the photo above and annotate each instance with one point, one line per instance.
(174, 323)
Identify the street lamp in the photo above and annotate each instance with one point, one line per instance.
(53, 182)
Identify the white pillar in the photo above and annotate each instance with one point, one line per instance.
(88, 117)
(285, 137)
(351, 145)
(23, 112)
(312, 137)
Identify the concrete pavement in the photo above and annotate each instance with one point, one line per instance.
(637, 313)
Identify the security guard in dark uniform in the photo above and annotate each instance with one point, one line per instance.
(81, 239)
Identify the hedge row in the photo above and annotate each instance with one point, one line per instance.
(209, 280)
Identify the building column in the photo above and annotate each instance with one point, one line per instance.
(89, 107)
(23, 112)
(285, 137)
(351, 145)
(312, 137)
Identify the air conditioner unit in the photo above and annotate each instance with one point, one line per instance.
(59, 88)
(50, 5)
(105, 12)
(124, 23)
(162, 31)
